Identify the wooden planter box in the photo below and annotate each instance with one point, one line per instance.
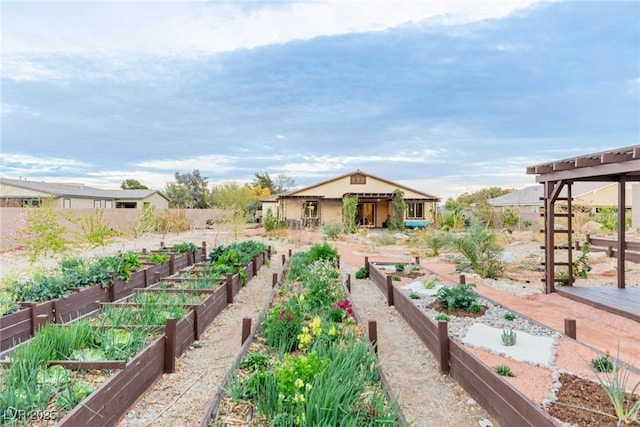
(503, 401)
(213, 407)
(20, 326)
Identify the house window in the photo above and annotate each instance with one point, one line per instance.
(535, 209)
(310, 209)
(415, 210)
(34, 203)
(126, 205)
(358, 179)
(67, 203)
(97, 204)
(108, 204)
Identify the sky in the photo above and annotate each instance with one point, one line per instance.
(444, 97)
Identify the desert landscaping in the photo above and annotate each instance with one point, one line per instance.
(426, 397)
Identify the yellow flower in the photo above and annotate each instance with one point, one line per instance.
(302, 298)
(332, 331)
(316, 326)
(307, 386)
(299, 383)
(298, 397)
(607, 353)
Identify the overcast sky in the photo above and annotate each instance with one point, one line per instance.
(444, 97)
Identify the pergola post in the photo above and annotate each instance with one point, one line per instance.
(549, 237)
(622, 211)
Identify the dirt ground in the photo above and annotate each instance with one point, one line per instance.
(180, 399)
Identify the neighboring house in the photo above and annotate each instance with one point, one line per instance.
(318, 203)
(21, 193)
(588, 196)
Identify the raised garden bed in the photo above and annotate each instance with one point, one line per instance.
(128, 380)
(21, 325)
(294, 369)
(468, 363)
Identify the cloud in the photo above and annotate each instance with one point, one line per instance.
(167, 28)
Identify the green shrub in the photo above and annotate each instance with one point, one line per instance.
(505, 371)
(185, 247)
(442, 316)
(459, 297)
(282, 325)
(435, 240)
(323, 251)
(332, 229)
(362, 273)
(414, 295)
(479, 249)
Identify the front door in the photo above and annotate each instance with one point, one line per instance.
(366, 214)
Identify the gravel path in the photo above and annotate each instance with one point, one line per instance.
(427, 397)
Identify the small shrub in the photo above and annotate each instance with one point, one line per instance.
(458, 297)
(396, 278)
(602, 364)
(323, 251)
(505, 371)
(384, 239)
(436, 240)
(332, 229)
(414, 295)
(442, 316)
(508, 337)
(185, 247)
(509, 316)
(400, 268)
(429, 283)
(480, 251)
(474, 308)
(362, 273)
(157, 258)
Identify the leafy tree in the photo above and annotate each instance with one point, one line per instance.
(263, 181)
(178, 194)
(479, 201)
(280, 184)
(510, 218)
(132, 184)
(283, 183)
(237, 202)
(42, 232)
(197, 186)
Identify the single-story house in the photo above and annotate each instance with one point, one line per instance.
(588, 197)
(322, 202)
(21, 193)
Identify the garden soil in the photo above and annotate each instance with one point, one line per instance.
(427, 397)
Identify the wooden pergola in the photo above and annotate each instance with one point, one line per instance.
(619, 165)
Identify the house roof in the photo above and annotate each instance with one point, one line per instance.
(530, 196)
(357, 171)
(77, 190)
